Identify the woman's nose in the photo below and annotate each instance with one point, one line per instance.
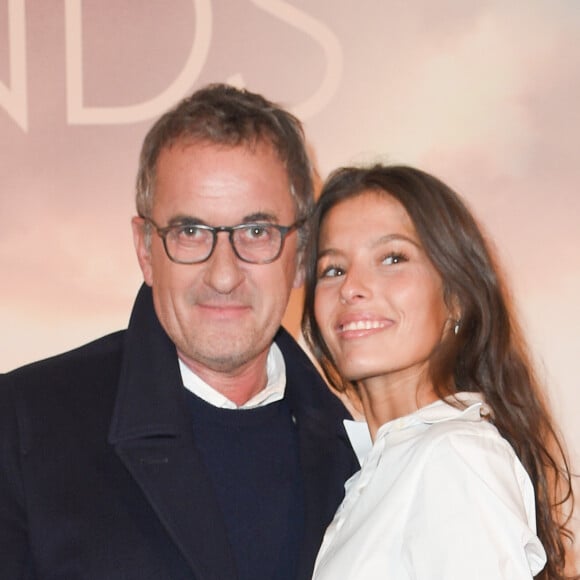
(354, 287)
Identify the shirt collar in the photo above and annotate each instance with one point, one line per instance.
(437, 412)
(272, 392)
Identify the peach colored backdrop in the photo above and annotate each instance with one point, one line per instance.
(482, 93)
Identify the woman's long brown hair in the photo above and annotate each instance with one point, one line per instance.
(488, 354)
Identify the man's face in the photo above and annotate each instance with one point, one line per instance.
(221, 314)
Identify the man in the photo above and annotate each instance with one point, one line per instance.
(200, 443)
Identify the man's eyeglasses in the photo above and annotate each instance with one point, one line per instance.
(255, 243)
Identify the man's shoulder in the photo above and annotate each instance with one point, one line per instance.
(95, 358)
(69, 391)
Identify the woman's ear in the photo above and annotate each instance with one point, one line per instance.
(455, 314)
(454, 307)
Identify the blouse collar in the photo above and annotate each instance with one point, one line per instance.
(438, 412)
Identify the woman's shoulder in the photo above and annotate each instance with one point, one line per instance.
(463, 426)
(478, 453)
(468, 439)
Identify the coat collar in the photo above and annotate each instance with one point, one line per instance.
(152, 435)
(149, 400)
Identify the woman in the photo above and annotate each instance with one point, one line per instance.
(464, 476)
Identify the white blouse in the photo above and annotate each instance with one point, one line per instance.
(440, 495)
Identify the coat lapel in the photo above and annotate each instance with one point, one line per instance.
(323, 490)
(326, 456)
(152, 436)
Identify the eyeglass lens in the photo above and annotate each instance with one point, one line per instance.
(251, 242)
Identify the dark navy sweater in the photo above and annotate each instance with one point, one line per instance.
(252, 458)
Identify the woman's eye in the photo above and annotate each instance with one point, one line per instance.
(331, 272)
(394, 259)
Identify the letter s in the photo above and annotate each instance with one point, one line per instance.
(329, 43)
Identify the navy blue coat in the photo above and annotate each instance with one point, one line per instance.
(100, 478)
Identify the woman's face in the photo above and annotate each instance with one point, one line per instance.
(378, 300)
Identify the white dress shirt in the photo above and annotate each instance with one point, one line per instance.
(440, 496)
(273, 391)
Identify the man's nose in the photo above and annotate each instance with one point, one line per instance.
(223, 268)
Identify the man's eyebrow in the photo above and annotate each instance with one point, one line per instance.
(260, 216)
(183, 219)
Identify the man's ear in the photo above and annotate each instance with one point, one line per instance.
(300, 269)
(143, 248)
(298, 277)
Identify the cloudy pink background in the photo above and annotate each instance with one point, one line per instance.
(482, 93)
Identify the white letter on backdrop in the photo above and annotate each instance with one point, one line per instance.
(329, 43)
(15, 99)
(79, 114)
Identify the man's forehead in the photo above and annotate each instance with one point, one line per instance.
(197, 180)
(253, 144)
